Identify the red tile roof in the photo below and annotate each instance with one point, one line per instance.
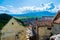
(44, 23)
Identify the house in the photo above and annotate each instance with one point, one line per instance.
(47, 17)
(44, 27)
(11, 28)
(56, 23)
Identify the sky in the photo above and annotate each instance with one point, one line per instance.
(20, 6)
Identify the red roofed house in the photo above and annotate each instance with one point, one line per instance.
(44, 27)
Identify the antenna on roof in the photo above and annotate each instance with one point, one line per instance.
(36, 18)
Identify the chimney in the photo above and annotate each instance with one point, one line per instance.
(36, 20)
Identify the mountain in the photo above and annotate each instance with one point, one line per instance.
(35, 14)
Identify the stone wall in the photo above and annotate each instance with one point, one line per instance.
(44, 32)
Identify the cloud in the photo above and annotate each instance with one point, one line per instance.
(2, 8)
(51, 6)
(45, 7)
(56, 8)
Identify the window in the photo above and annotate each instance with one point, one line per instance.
(17, 36)
(49, 28)
(12, 23)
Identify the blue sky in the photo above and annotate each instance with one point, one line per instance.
(20, 6)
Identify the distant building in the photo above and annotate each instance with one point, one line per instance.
(47, 17)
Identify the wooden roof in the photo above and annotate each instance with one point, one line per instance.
(57, 18)
(57, 21)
